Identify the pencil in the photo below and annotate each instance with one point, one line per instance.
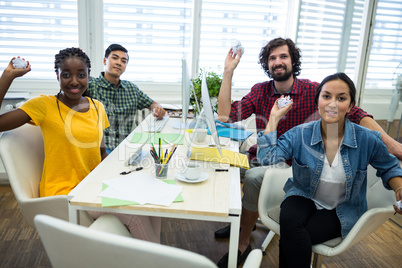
(166, 161)
(153, 147)
(168, 142)
(170, 153)
(160, 150)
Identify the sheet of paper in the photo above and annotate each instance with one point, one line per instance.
(111, 202)
(142, 188)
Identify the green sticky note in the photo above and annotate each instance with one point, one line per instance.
(111, 202)
(170, 137)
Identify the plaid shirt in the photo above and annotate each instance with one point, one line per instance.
(121, 104)
(263, 96)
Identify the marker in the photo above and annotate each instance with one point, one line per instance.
(128, 172)
(221, 170)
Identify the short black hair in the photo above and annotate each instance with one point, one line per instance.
(338, 76)
(114, 47)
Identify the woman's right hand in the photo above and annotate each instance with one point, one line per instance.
(279, 113)
(276, 115)
(16, 72)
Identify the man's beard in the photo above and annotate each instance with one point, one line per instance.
(282, 77)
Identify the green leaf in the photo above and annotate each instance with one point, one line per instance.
(214, 82)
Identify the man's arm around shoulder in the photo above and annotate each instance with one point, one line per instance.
(393, 146)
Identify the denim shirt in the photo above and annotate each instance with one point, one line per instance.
(304, 145)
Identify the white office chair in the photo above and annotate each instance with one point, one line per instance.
(107, 243)
(379, 211)
(22, 154)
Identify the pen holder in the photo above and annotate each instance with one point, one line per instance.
(161, 170)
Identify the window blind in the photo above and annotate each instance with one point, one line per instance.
(386, 48)
(253, 23)
(156, 34)
(36, 31)
(328, 36)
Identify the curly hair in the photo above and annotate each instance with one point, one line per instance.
(72, 52)
(294, 52)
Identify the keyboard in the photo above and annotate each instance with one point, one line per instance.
(155, 125)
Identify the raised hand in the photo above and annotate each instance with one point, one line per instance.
(232, 60)
(17, 72)
(280, 112)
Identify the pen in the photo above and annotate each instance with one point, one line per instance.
(155, 156)
(221, 170)
(128, 172)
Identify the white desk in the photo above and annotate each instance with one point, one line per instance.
(216, 199)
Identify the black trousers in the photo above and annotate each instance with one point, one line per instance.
(301, 226)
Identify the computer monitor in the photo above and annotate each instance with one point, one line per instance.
(185, 90)
(209, 112)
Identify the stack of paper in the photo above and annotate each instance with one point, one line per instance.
(141, 188)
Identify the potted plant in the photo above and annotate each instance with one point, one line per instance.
(214, 82)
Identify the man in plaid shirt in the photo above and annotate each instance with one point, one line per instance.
(121, 98)
(280, 60)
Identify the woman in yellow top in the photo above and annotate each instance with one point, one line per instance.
(72, 127)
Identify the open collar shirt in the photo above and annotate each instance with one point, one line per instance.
(121, 104)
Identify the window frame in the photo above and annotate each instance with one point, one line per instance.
(90, 21)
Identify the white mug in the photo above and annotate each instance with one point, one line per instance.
(200, 134)
(192, 171)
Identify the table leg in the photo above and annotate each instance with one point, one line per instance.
(234, 241)
(73, 214)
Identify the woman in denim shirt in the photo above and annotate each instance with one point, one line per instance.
(327, 194)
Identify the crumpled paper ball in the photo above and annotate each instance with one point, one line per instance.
(283, 102)
(236, 46)
(398, 204)
(19, 63)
